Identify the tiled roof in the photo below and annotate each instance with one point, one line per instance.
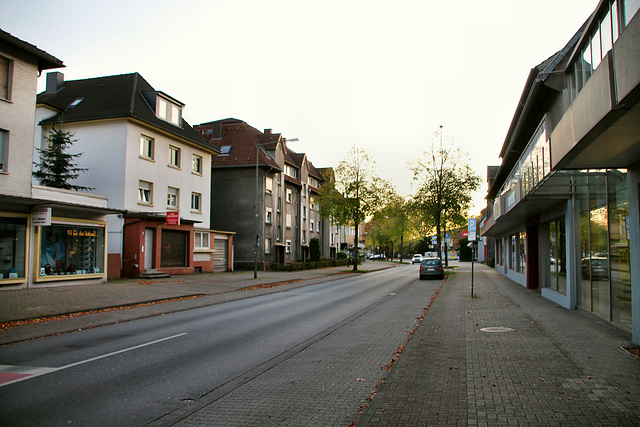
(243, 140)
(114, 97)
(45, 60)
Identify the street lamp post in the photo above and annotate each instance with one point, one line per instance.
(256, 241)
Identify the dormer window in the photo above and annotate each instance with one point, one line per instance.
(168, 110)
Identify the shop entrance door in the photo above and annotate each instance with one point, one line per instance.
(148, 248)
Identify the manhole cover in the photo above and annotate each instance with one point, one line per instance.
(496, 329)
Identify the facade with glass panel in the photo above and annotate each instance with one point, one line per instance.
(562, 210)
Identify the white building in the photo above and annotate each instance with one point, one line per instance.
(140, 152)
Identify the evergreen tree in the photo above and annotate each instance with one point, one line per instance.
(56, 168)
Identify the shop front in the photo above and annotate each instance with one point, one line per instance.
(70, 249)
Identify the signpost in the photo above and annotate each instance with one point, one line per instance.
(472, 225)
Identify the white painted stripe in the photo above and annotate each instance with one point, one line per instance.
(33, 372)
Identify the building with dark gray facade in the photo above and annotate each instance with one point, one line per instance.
(282, 195)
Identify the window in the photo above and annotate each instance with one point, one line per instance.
(71, 249)
(13, 238)
(290, 171)
(147, 147)
(196, 202)
(269, 185)
(4, 150)
(311, 225)
(288, 246)
(288, 223)
(173, 197)
(312, 203)
(196, 164)
(267, 245)
(268, 216)
(145, 192)
(279, 203)
(304, 236)
(201, 240)
(289, 195)
(6, 77)
(279, 178)
(225, 150)
(304, 190)
(304, 212)
(174, 156)
(279, 234)
(168, 111)
(174, 248)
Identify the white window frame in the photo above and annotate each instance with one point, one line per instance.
(201, 239)
(174, 156)
(268, 215)
(267, 245)
(147, 147)
(289, 195)
(196, 196)
(288, 246)
(196, 164)
(173, 198)
(168, 111)
(268, 185)
(311, 222)
(143, 191)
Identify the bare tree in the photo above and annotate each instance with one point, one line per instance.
(446, 183)
(353, 192)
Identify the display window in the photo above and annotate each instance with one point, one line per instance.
(13, 249)
(71, 250)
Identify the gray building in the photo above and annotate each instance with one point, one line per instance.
(284, 201)
(562, 212)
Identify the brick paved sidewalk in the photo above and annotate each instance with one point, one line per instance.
(555, 367)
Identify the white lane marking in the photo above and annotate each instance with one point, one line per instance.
(32, 372)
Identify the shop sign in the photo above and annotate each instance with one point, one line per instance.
(41, 216)
(173, 218)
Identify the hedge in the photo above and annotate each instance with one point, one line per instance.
(310, 265)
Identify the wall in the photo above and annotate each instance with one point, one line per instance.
(232, 200)
(17, 116)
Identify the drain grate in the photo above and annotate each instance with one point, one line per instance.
(496, 329)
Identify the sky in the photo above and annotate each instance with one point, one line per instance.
(384, 76)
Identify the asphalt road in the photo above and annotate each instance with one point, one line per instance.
(137, 372)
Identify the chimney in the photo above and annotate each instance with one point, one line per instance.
(267, 131)
(55, 82)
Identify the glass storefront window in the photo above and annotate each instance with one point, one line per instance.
(619, 261)
(557, 256)
(13, 243)
(522, 258)
(598, 267)
(71, 250)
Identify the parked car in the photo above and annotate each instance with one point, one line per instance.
(417, 258)
(597, 269)
(431, 267)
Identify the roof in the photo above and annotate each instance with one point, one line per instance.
(244, 141)
(45, 60)
(530, 109)
(125, 96)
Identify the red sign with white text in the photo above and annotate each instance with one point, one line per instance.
(173, 218)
